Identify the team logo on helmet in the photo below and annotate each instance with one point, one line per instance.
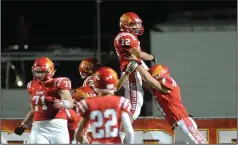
(158, 71)
(88, 65)
(81, 94)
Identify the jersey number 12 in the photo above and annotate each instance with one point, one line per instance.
(125, 42)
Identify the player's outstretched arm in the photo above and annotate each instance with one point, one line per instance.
(122, 80)
(150, 80)
(126, 123)
(78, 131)
(130, 68)
(141, 54)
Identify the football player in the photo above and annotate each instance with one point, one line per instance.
(74, 117)
(127, 43)
(50, 97)
(105, 112)
(86, 69)
(167, 95)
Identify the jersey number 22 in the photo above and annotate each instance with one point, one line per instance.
(97, 130)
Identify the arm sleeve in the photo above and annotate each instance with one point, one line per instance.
(128, 127)
(125, 105)
(82, 108)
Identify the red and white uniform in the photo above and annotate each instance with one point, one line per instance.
(49, 124)
(105, 118)
(123, 42)
(88, 82)
(175, 113)
(73, 120)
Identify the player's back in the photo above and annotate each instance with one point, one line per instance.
(171, 103)
(88, 81)
(105, 117)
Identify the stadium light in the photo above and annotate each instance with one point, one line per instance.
(19, 81)
(13, 67)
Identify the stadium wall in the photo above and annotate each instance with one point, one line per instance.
(15, 103)
(148, 130)
(204, 65)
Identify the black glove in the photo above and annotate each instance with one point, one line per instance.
(154, 60)
(20, 129)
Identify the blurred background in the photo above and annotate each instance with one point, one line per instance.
(197, 40)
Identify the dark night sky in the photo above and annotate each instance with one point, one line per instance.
(74, 23)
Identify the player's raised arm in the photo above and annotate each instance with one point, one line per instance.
(130, 68)
(64, 85)
(122, 80)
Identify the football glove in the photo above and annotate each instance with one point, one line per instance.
(20, 129)
(132, 66)
(154, 60)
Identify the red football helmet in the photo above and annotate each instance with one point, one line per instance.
(43, 69)
(83, 93)
(159, 70)
(105, 80)
(131, 22)
(88, 66)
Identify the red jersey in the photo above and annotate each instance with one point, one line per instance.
(123, 42)
(42, 96)
(104, 116)
(88, 82)
(73, 120)
(75, 124)
(171, 103)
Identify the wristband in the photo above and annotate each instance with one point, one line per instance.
(66, 104)
(24, 125)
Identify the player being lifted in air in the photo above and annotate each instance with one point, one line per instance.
(105, 112)
(127, 43)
